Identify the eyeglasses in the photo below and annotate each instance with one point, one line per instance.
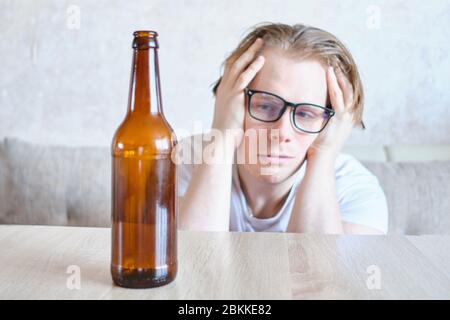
(268, 107)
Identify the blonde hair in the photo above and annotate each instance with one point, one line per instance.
(303, 42)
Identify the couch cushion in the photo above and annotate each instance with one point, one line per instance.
(418, 195)
(418, 153)
(58, 185)
(54, 185)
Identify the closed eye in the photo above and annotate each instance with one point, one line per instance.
(305, 115)
(267, 107)
(264, 106)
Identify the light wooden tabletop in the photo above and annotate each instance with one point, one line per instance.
(43, 262)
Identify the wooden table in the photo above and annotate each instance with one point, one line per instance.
(35, 261)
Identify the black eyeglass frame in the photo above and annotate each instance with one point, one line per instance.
(250, 92)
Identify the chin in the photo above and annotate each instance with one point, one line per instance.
(274, 174)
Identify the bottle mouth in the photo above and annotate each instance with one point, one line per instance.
(145, 39)
(145, 33)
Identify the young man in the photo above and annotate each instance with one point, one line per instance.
(285, 105)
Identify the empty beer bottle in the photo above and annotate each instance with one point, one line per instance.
(144, 210)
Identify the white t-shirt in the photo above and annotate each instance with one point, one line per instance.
(360, 197)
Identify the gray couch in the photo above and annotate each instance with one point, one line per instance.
(59, 185)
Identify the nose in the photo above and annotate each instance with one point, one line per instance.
(282, 129)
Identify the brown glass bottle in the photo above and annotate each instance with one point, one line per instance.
(144, 209)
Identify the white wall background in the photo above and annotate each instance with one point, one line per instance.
(60, 84)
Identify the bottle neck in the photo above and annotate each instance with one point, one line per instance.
(145, 91)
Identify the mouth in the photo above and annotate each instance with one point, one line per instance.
(274, 159)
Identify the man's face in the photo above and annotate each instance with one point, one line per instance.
(297, 81)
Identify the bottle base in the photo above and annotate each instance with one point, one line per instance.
(142, 278)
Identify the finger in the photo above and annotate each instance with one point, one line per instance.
(247, 76)
(346, 88)
(244, 60)
(226, 70)
(335, 92)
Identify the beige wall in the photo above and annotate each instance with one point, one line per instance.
(67, 83)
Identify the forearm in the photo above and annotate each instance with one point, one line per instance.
(316, 208)
(206, 203)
